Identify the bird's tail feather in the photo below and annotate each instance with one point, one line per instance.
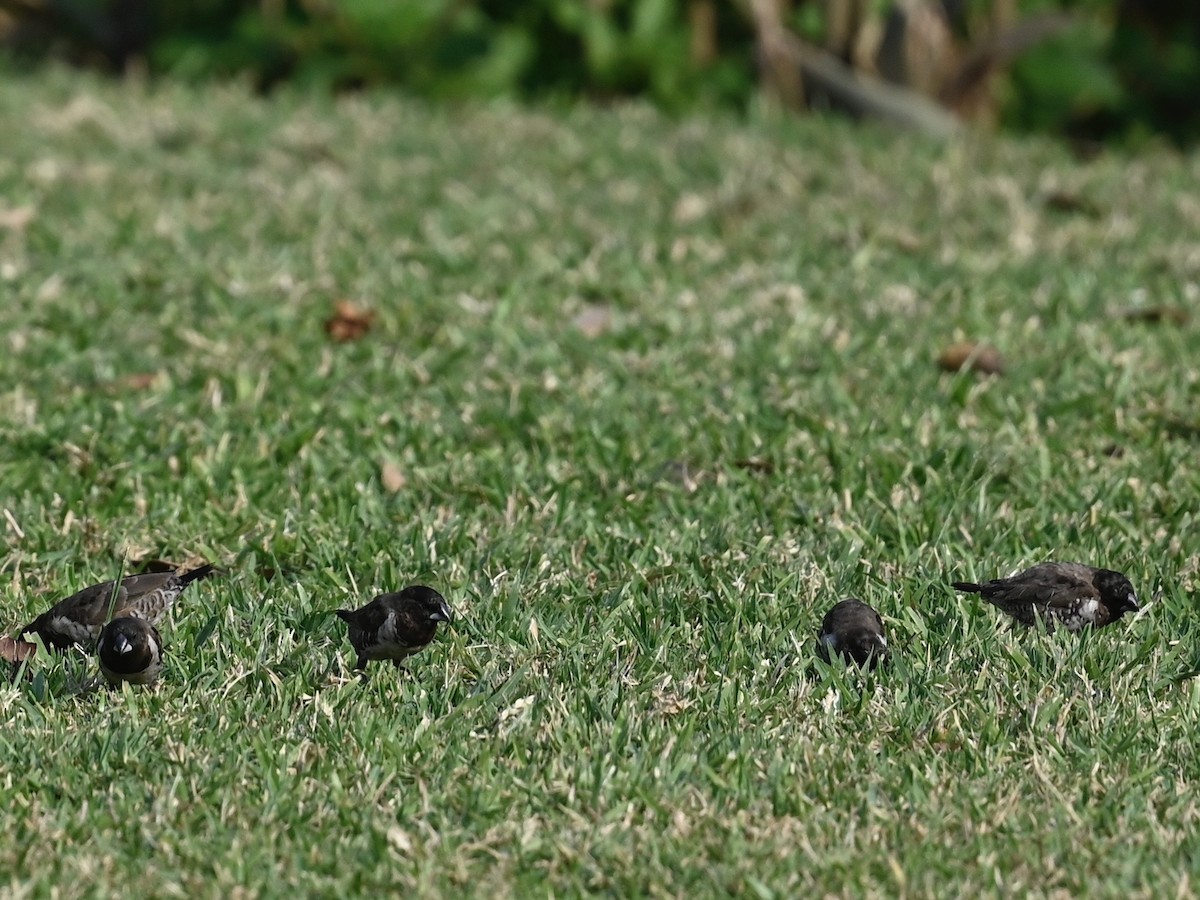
(967, 586)
(199, 572)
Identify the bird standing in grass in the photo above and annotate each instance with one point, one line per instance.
(79, 618)
(1059, 594)
(130, 649)
(854, 631)
(395, 626)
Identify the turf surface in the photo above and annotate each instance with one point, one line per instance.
(643, 398)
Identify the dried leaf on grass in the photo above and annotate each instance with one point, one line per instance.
(393, 477)
(349, 322)
(135, 381)
(140, 562)
(14, 651)
(152, 565)
(594, 320)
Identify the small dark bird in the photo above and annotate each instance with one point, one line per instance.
(395, 626)
(854, 631)
(130, 649)
(1067, 595)
(79, 618)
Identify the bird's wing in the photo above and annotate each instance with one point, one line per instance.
(88, 607)
(153, 593)
(371, 617)
(140, 585)
(1053, 585)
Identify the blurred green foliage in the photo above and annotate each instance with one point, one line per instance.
(458, 48)
(1126, 67)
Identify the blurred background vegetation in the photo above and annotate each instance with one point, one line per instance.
(1092, 70)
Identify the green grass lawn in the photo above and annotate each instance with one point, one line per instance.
(660, 392)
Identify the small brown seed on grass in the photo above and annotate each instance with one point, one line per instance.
(975, 357)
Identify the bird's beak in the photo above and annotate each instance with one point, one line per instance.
(443, 613)
(1131, 603)
(122, 645)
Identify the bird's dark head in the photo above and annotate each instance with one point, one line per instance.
(432, 603)
(866, 647)
(127, 644)
(853, 630)
(1116, 592)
